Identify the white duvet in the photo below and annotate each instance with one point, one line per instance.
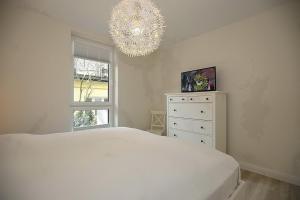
(112, 164)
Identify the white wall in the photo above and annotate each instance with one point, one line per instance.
(134, 102)
(140, 87)
(36, 75)
(258, 65)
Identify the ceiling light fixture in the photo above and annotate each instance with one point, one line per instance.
(136, 27)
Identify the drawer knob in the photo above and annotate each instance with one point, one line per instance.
(175, 123)
(202, 141)
(191, 99)
(207, 99)
(175, 135)
(183, 99)
(202, 127)
(174, 110)
(171, 99)
(202, 111)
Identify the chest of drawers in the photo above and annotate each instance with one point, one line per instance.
(198, 117)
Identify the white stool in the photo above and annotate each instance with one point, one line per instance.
(158, 120)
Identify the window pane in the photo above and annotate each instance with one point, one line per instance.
(90, 80)
(88, 118)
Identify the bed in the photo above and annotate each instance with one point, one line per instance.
(114, 164)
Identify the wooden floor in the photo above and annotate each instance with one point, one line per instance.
(264, 188)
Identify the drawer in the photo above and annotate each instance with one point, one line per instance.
(177, 99)
(196, 126)
(200, 99)
(184, 135)
(191, 110)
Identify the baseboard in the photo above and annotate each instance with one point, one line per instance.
(270, 173)
(239, 193)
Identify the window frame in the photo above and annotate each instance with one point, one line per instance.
(109, 105)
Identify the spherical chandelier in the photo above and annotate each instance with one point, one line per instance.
(136, 27)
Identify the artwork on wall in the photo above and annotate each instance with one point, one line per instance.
(199, 80)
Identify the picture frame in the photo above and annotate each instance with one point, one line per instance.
(199, 80)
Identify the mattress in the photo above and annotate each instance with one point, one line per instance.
(112, 164)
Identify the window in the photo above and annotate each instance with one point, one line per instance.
(89, 118)
(90, 80)
(92, 85)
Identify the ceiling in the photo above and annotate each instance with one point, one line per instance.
(184, 18)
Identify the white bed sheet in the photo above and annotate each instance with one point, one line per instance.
(112, 164)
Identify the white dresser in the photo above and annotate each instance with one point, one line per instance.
(199, 117)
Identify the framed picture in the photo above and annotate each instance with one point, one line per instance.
(199, 80)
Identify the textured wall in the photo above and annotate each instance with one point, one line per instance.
(258, 65)
(35, 73)
(133, 91)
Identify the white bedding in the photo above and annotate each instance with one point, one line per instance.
(112, 164)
